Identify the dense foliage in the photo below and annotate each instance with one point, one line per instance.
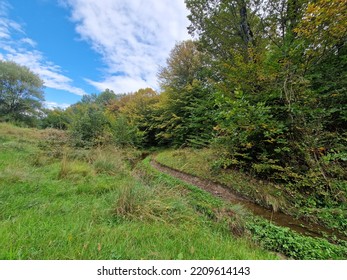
(279, 75)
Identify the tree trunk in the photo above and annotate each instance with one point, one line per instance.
(245, 29)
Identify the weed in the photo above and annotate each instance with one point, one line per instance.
(10, 131)
(236, 217)
(73, 169)
(64, 168)
(126, 202)
(108, 161)
(15, 174)
(145, 203)
(104, 166)
(39, 159)
(53, 142)
(294, 245)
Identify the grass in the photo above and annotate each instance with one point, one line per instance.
(10, 132)
(200, 163)
(276, 197)
(59, 203)
(272, 237)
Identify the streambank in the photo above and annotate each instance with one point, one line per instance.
(301, 226)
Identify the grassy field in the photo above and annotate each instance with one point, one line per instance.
(61, 203)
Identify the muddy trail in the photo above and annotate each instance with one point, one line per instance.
(301, 226)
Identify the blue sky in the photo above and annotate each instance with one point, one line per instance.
(85, 46)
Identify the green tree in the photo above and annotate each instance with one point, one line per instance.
(184, 114)
(89, 126)
(279, 76)
(106, 97)
(21, 93)
(55, 118)
(225, 27)
(102, 99)
(323, 33)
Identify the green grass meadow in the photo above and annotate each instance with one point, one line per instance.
(61, 203)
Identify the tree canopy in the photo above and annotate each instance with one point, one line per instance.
(21, 92)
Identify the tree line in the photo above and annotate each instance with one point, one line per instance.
(263, 82)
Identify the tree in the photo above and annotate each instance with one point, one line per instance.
(323, 31)
(324, 28)
(55, 118)
(89, 126)
(21, 93)
(184, 64)
(102, 99)
(185, 111)
(106, 97)
(279, 73)
(138, 110)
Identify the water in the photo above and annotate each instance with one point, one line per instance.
(301, 226)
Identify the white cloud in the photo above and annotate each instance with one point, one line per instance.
(22, 52)
(7, 25)
(4, 28)
(134, 37)
(52, 105)
(123, 84)
(29, 41)
(48, 72)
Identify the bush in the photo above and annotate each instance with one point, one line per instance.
(250, 137)
(89, 126)
(124, 134)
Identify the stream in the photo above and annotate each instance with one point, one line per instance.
(301, 226)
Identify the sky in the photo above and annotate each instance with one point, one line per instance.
(81, 47)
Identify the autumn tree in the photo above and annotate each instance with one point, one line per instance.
(138, 110)
(323, 33)
(184, 113)
(279, 81)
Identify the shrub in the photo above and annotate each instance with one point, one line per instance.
(89, 126)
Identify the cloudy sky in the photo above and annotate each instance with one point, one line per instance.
(85, 46)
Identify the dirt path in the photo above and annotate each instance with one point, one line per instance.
(213, 188)
(303, 227)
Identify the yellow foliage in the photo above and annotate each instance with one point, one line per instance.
(324, 22)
